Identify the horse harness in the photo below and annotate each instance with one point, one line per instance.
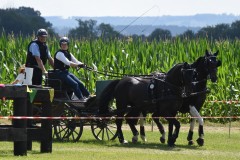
(158, 89)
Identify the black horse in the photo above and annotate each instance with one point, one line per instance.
(162, 98)
(205, 66)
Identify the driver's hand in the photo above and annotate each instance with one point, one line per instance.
(82, 65)
(45, 73)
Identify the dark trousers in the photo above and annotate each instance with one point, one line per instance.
(37, 76)
(74, 83)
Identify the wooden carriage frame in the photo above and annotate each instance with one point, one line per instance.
(77, 114)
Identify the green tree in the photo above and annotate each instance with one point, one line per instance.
(85, 30)
(235, 30)
(160, 34)
(106, 31)
(221, 31)
(206, 32)
(189, 34)
(23, 20)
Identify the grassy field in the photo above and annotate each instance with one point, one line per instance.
(219, 145)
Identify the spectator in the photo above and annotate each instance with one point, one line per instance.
(37, 56)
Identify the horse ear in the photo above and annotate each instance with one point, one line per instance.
(207, 54)
(219, 63)
(215, 54)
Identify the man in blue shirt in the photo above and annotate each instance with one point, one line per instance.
(37, 56)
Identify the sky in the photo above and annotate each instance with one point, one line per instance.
(93, 8)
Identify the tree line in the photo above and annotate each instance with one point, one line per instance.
(26, 21)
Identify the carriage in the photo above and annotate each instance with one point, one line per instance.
(73, 115)
(153, 95)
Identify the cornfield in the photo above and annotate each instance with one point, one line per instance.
(137, 57)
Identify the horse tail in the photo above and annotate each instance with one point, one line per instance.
(106, 96)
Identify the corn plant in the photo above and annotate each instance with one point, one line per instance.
(136, 57)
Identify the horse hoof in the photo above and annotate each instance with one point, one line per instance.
(144, 139)
(134, 140)
(200, 141)
(171, 145)
(162, 140)
(124, 142)
(190, 143)
(171, 142)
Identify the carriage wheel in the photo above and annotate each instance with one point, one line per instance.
(104, 129)
(68, 129)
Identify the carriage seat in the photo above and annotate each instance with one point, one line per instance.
(61, 90)
(54, 82)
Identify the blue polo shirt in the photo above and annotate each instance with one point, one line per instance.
(34, 49)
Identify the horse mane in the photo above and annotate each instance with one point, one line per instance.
(174, 68)
(195, 64)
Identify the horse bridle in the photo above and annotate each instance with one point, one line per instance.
(208, 60)
(204, 80)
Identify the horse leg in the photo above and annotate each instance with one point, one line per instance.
(172, 136)
(194, 113)
(190, 132)
(132, 123)
(200, 140)
(142, 129)
(160, 128)
(134, 131)
(119, 129)
(177, 128)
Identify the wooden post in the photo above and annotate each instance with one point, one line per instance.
(29, 122)
(46, 142)
(22, 132)
(20, 109)
(43, 97)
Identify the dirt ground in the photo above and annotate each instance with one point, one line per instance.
(208, 126)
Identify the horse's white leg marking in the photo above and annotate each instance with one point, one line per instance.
(192, 123)
(164, 135)
(142, 120)
(194, 113)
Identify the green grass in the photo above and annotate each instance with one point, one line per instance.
(218, 146)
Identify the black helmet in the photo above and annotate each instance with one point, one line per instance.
(42, 32)
(64, 40)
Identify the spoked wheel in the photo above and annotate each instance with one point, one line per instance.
(104, 129)
(68, 129)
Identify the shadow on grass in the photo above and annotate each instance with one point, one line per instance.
(10, 153)
(141, 145)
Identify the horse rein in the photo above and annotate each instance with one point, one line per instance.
(155, 77)
(119, 75)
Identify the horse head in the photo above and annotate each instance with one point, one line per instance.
(206, 66)
(211, 64)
